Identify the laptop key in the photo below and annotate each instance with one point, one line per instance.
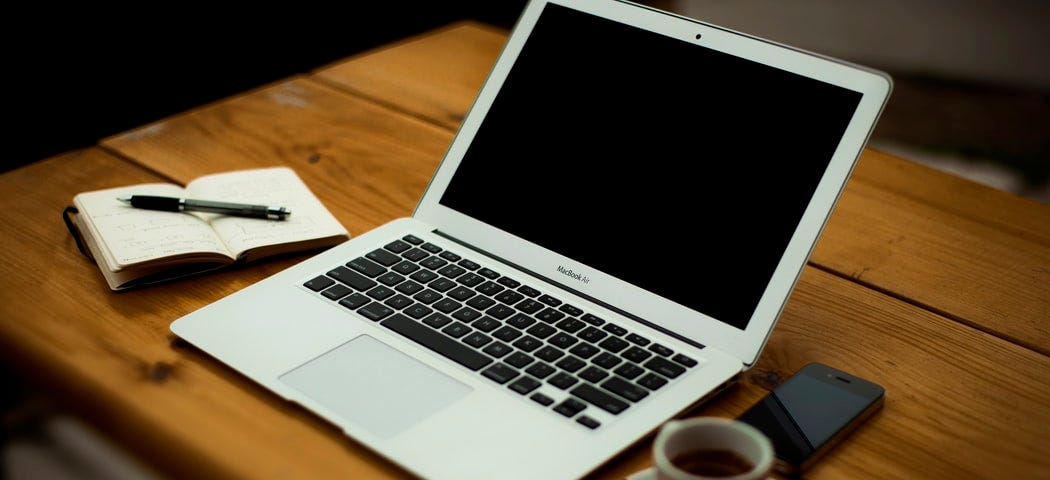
(409, 287)
(625, 389)
(562, 380)
(588, 422)
(652, 381)
(437, 320)
(337, 291)
(660, 350)
(684, 360)
(613, 344)
(436, 341)
(418, 310)
(528, 291)
(606, 360)
(529, 306)
(406, 267)
(518, 360)
(398, 302)
(456, 330)
(477, 339)
(571, 310)
(637, 339)
(570, 325)
(390, 279)
(509, 282)
(415, 254)
(486, 324)
(383, 257)
(500, 373)
(414, 240)
(319, 283)
(497, 349)
(570, 407)
(542, 399)
(352, 278)
(366, 266)
(469, 265)
(375, 311)
(423, 276)
(549, 300)
(592, 334)
(549, 315)
(540, 370)
(397, 246)
(629, 370)
(664, 367)
(593, 320)
(599, 398)
(430, 247)
(636, 354)
(593, 374)
(467, 314)
(524, 385)
(354, 301)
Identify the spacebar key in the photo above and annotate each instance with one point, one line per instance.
(437, 342)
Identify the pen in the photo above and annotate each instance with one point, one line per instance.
(172, 204)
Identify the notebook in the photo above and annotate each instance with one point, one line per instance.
(608, 242)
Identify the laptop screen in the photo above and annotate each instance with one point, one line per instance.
(674, 167)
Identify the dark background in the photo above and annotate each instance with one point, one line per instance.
(75, 77)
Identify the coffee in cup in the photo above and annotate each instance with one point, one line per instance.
(711, 448)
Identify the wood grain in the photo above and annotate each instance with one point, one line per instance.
(366, 163)
(910, 231)
(434, 76)
(960, 403)
(973, 253)
(908, 265)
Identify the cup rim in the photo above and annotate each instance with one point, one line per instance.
(764, 462)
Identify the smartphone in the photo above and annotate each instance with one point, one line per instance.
(811, 412)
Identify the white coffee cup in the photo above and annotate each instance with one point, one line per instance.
(704, 448)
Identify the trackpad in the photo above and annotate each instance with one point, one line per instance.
(370, 384)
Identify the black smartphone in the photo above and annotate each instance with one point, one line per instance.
(811, 412)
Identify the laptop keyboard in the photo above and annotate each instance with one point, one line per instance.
(508, 332)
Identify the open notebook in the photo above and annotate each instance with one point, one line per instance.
(609, 239)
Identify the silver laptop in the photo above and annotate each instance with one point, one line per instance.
(608, 241)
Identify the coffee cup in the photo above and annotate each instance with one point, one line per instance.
(705, 448)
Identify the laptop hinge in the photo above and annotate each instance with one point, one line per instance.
(569, 289)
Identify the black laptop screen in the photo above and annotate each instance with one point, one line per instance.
(672, 166)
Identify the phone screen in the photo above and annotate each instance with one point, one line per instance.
(803, 415)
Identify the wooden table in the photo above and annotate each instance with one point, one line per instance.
(936, 287)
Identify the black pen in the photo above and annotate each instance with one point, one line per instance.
(173, 204)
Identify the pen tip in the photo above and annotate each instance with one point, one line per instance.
(125, 199)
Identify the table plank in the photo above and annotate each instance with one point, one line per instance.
(976, 254)
(913, 232)
(110, 357)
(435, 76)
(367, 164)
(960, 403)
(940, 374)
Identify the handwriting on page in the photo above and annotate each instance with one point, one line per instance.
(274, 187)
(134, 235)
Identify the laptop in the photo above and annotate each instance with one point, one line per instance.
(608, 242)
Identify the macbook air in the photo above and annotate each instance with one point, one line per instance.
(608, 241)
